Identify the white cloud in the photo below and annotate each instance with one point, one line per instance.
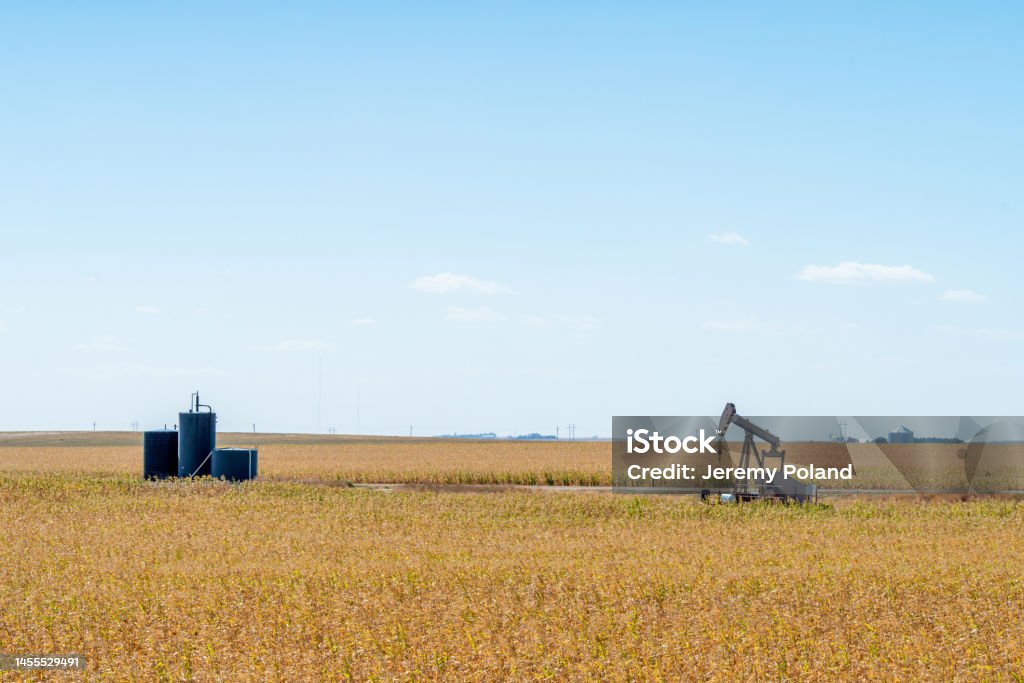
(850, 272)
(731, 238)
(147, 309)
(962, 295)
(363, 322)
(296, 345)
(446, 283)
(103, 344)
(463, 315)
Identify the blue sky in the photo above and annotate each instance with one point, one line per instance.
(492, 217)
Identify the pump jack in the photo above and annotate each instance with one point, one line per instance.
(782, 489)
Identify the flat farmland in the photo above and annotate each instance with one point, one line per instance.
(336, 459)
(282, 579)
(339, 459)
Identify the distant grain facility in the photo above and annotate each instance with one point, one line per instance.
(901, 435)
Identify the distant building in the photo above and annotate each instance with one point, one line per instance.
(901, 435)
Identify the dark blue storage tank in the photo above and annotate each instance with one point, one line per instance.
(234, 464)
(196, 439)
(160, 454)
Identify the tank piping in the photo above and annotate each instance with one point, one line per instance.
(196, 405)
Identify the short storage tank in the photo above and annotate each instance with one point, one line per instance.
(234, 464)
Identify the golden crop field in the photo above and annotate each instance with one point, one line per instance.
(337, 459)
(457, 461)
(285, 580)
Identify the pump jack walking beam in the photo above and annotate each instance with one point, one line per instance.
(751, 430)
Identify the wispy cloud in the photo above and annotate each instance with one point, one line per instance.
(580, 321)
(103, 344)
(968, 296)
(730, 238)
(128, 369)
(466, 315)
(754, 325)
(363, 322)
(447, 283)
(729, 325)
(296, 345)
(850, 272)
(149, 310)
(993, 333)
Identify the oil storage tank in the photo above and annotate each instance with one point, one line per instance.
(234, 464)
(196, 440)
(160, 454)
